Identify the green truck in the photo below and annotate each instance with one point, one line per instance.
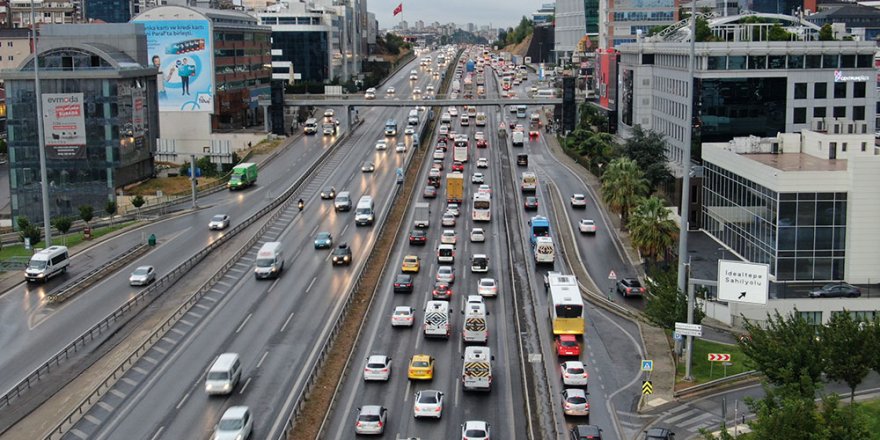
(243, 176)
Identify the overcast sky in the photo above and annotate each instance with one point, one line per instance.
(500, 13)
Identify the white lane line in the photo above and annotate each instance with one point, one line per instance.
(457, 391)
(314, 230)
(344, 229)
(183, 400)
(262, 358)
(274, 283)
(246, 319)
(311, 283)
(284, 327)
(407, 391)
(244, 387)
(158, 433)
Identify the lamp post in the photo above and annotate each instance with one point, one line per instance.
(686, 191)
(41, 141)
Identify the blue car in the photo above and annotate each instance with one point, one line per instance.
(323, 240)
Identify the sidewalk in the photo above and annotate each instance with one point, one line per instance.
(654, 338)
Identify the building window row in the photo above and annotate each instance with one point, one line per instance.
(671, 86)
(841, 90)
(644, 16)
(857, 113)
(764, 62)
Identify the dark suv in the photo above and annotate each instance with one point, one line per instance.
(342, 255)
(659, 434)
(585, 432)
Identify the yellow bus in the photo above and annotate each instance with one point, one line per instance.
(566, 305)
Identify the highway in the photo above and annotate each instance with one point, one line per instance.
(275, 326)
(502, 406)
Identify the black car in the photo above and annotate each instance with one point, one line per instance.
(659, 434)
(328, 193)
(630, 286)
(522, 160)
(418, 236)
(586, 432)
(403, 283)
(837, 290)
(441, 291)
(531, 203)
(341, 255)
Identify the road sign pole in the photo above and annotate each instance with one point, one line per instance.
(690, 339)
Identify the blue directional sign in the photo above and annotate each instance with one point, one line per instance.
(647, 365)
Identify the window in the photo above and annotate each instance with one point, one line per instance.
(800, 91)
(843, 147)
(776, 61)
(820, 90)
(717, 63)
(819, 112)
(839, 112)
(814, 61)
(859, 89)
(795, 61)
(814, 318)
(830, 61)
(840, 90)
(847, 61)
(800, 115)
(757, 62)
(864, 146)
(10, 58)
(858, 113)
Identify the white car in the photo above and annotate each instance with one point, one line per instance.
(575, 403)
(381, 144)
(484, 189)
(417, 91)
(434, 172)
(453, 208)
(401, 147)
(453, 111)
(482, 163)
(444, 129)
(389, 91)
(371, 419)
(487, 287)
(578, 200)
(574, 374)
(142, 276)
(448, 219)
(402, 316)
(378, 368)
(477, 178)
(236, 423)
(329, 113)
(587, 226)
(448, 236)
(446, 274)
(478, 136)
(429, 89)
(219, 222)
(439, 154)
(409, 130)
(475, 430)
(428, 403)
(477, 235)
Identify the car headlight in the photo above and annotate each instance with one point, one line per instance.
(347, 258)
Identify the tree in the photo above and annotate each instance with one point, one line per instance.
(648, 149)
(826, 33)
(28, 230)
(622, 186)
(667, 305)
(600, 148)
(138, 201)
(847, 348)
(840, 423)
(651, 229)
(786, 350)
(110, 209)
(785, 413)
(778, 33)
(704, 32)
(62, 224)
(86, 213)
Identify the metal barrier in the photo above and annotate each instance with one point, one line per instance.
(88, 278)
(715, 383)
(153, 290)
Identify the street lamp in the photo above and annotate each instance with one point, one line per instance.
(41, 141)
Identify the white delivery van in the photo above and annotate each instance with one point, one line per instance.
(545, 252)
(223, 375)
(446, 253)
(47, 263)
(437, 319)
(363, 212)
(476, 371)
(475, 328)
(517, 138)
(270, 261)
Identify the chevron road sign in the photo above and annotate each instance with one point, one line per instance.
(719, 357)
(647, 387)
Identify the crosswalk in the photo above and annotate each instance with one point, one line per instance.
(690, 419)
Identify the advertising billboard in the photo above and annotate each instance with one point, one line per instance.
(182, 51)
(606, 78)
(64, 125)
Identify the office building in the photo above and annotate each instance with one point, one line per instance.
(857, 19)
(213, 67)
(46, 11)
(101, 118)
(743, 87)
(544, 14)
(108, 11)
(15, 46)
(577, 28)
(304, 42)
(624, 20)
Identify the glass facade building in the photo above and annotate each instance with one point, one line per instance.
(109, 11)
(307, 51)
(802, 236)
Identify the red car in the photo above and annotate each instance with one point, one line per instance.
(457, 166)
(567, 345)
(482, 143)
(441, 291)
(533, 134)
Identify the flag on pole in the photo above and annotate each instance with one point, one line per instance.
(398, 9)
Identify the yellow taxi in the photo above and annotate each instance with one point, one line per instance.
(411, 263)
(421, 367)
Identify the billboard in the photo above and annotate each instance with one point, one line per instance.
(606, 78)
(64, 125)
(182, 50)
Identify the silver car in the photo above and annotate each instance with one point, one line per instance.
(142, 276)
(428, 403)
(575, 403)
(368, 167)
(235, 424)
(487, 287)
(371, 419)
(219, 222)
(378, 368)
(446, 274)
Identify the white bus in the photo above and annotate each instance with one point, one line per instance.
(566, 305)
(460, 149)
(482, 209)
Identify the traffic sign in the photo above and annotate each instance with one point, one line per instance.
(677, 336)
(647, 365)
(647, 387)
(743, 282)
(719, 357)
(612, 275)
(689, 329)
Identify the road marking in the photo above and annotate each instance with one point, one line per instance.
(105, 406)
(407, 391)
(158, 433)
(183, 400)
(457, 391)
(687, 413)
(312, 283)
(263, 357)
(244, 387)
(246, 319)
(92, 419)
(273, 285)
(118, 393)
(314, 230)
(344, 229)
(697, 419)
(283, 327)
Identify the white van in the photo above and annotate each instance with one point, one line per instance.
(363, 214)
(270, 261)
(223, 375)
(446, 253)
(545, 252)
(480, 263)
(47, 263)
(476, 371)
(311, 126)
(475, 328)
(437, 319)
(445, 118)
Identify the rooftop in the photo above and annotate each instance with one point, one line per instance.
(797, 162)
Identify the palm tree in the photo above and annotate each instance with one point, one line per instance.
(651, 229)
(623, 184)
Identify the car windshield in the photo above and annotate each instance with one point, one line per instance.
(575, 370)
(427, 398)
(265, 262)
(368, 418)
(576, 399)
(141, 271)
(217, 218)
(231, 424)
(401, 312)
(475, 433)
(218, 375)
(375, 365)
(829, 286)
(487, 283)
(323, 236)
(37, 264)
(565, 343)
(420, 364)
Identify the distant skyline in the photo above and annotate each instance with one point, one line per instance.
(499, 13)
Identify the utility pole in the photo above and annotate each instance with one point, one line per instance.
(41, 140)
(192, 178)
(686, 191)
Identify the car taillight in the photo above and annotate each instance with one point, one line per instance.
(379, 424)
(384, 370)
(437, 409)
(628, 289)
(418, 408)
(358, 424)
(567, 405)
(567, 375)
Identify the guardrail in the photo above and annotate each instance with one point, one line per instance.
(152, 291)
(715, 383)
(88, 278)
(282, 202)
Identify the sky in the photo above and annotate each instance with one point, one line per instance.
(500, 13)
